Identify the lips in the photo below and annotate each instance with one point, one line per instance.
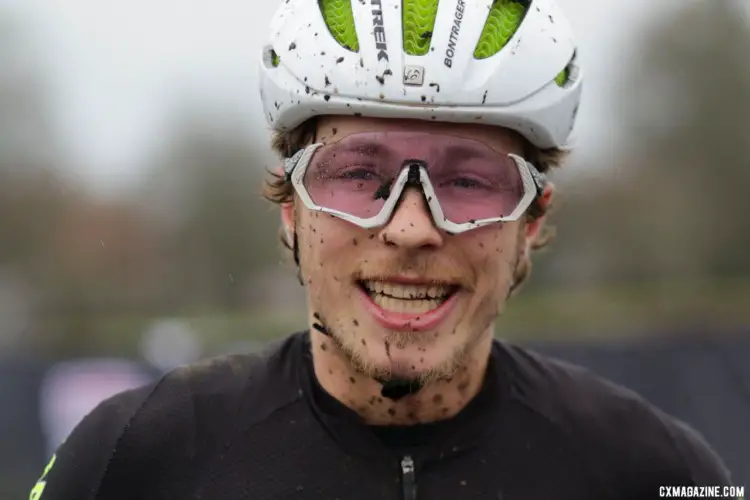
(408, 306)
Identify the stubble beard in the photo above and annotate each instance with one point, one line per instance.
(356, 356)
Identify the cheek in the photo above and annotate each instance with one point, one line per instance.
(324, 248)
(492, 252)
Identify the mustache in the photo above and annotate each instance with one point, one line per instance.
(437, 269)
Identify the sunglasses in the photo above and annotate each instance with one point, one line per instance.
(465, 183)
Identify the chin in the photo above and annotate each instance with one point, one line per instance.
(412, 360)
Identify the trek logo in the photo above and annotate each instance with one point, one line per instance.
(379, 31)
(455, 30)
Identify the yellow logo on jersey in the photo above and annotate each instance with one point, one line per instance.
(36, 492)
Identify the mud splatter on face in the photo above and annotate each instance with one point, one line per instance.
(462, 387)
(318, 324)
(437, 399)
(384, 191)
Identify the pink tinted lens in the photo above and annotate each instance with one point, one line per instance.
(471, 180)
(475, 186)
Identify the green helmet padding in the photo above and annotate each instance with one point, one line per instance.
(418, 21)
(563, 77)
(502, 22)
(339, 18)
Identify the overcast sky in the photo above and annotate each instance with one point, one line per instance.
(118, 67)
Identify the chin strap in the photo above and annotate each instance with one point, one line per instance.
(398, 388)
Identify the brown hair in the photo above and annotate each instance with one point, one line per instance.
(278, 190)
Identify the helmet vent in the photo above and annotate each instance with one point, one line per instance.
(418, 22)
(569, 74)
(503, 21)
(339, 19)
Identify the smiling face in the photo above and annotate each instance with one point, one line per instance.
(406, 300)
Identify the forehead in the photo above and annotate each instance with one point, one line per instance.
(334, 128)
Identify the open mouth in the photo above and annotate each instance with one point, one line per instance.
(408, 298)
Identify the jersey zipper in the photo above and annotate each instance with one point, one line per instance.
(408, 478)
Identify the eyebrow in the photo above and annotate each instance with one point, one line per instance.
(370, 148)
(463, 151)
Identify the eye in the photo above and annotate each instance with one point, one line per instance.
(467, 183)
(358, 173)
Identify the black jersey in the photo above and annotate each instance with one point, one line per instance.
(259, 427)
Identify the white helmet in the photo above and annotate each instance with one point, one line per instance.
(424, 59)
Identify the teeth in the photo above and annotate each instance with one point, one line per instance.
(409, 292)
(405, 306)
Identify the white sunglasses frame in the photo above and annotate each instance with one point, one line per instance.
(533, 185)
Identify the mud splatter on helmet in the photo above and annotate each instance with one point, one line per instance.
(507, 63)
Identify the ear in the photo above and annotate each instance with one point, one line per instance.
(534, 229)
(287, 216)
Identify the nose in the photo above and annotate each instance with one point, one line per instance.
(411, 224)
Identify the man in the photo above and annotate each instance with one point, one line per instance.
(416, 137)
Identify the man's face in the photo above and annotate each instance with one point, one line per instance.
(406, 300)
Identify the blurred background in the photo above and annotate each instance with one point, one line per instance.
(133, 237)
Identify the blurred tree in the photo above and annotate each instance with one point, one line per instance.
(30, 193)
(36, 190)
(689, 116)
(673, 211)
(206, 193)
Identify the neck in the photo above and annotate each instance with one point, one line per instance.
(436, 401)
